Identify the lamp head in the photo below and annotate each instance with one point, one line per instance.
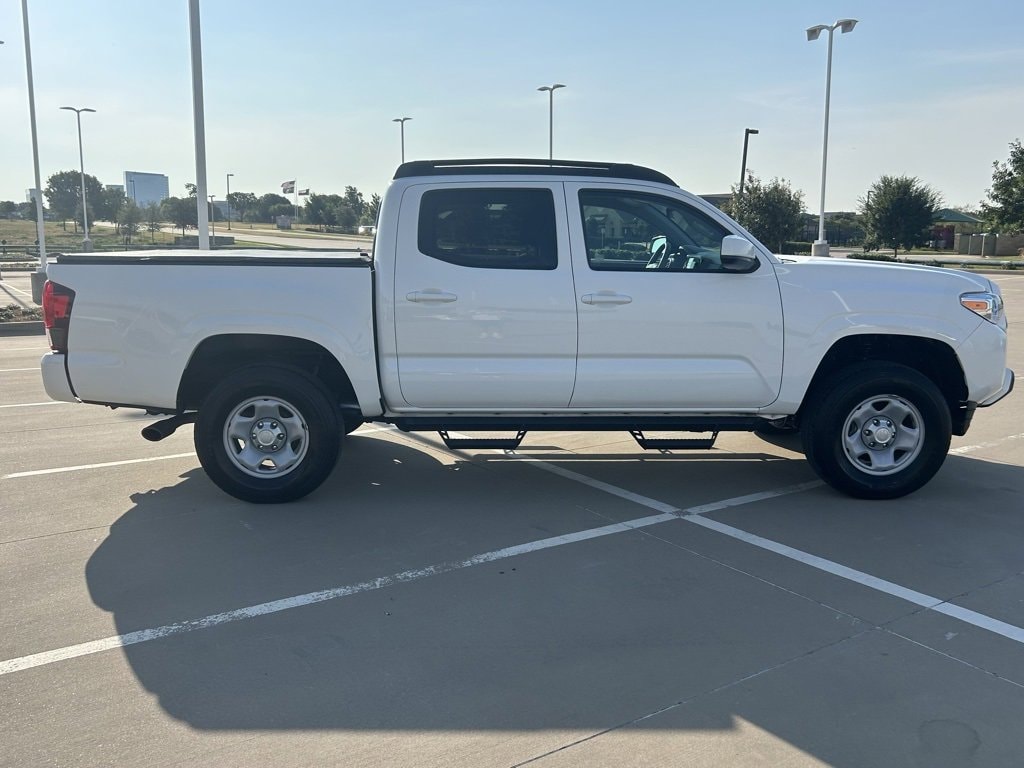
(752, 130)
(814, 32)
(846, 25)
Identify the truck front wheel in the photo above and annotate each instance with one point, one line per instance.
(268, 435)
(877, 430)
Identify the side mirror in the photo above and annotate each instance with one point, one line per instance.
(738, 254)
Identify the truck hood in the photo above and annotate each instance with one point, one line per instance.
(861, 270)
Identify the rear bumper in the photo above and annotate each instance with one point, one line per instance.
(1004, 390)
(55, 378)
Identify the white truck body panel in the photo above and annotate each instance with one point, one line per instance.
(519, 341)
(137, 325)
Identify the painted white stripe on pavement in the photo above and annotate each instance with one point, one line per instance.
(693, 515)
(16, 370)
(36, 405)
(310, 598)
(991, 444)
(16, 290)
(57, 470)
(873, 582)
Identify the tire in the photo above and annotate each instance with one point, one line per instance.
(268, 435)
(876, 430)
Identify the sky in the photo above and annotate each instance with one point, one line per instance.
(308, 90)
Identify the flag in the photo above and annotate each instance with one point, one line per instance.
(304, 191)
(287, 187)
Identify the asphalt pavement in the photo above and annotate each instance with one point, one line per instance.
(576, 603)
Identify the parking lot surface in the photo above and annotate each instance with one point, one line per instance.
(576, 603)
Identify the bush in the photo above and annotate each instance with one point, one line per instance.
(13, 313)
(872, 256)
(796, 247)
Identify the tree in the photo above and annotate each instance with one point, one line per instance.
(320, 209)
(181, 212)
(372, 210)
(109, 205)
(153, 217)
(266, 202)
(1004, 210)
(64, 194)
(350, 209)
(242, 203)
(771, 211)
(128, 219)
(8, 208)
(898, 212)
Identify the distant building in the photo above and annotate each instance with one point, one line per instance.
(146, 188)
(114, 187)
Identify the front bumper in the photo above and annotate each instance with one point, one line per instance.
(1004, 390)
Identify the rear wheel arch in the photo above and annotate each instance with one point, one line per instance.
(217, 357)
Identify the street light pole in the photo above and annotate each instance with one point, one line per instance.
(213, 222)
(39, 276)
(743, 167)
(228, 198)
(86, 243)
(820, 246)
(401, 123)
(199, 123)
(551, 116)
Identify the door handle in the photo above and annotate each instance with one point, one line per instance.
(606, 298)
(431, 296)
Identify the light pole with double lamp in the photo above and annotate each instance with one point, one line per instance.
(401, 123)
(86, 242)
(820, 246)
(551, 116)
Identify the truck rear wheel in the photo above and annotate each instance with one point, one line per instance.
(877, 430)
(268, 435)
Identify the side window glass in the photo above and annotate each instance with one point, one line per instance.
(489, 228)
(635, 232)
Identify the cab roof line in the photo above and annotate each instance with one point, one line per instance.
(524, 167)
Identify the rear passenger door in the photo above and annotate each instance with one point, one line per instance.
(485, 310)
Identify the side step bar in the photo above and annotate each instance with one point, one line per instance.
(495, 443)
(674, 443)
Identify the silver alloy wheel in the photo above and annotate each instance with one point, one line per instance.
(883, 435)
(266, 437)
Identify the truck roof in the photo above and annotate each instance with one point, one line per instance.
(530, 167)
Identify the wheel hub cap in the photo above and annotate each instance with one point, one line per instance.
(268, 435)
(879, 433)
(883, 435)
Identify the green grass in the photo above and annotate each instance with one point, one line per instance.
(20, 234)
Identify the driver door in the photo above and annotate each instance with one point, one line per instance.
(668, 327)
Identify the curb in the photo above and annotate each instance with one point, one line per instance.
(22, 328)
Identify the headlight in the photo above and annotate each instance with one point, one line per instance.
(988, 305)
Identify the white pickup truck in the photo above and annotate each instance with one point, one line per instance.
(516, 295)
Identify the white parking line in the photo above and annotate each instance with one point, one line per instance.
(991, 444)
(15, 370)
(36, 405)
(57, 470)
(18, 290)
(310, 598)
(865, 579)
(693, 515)
(24, 349)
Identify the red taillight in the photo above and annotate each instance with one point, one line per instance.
(57, 302)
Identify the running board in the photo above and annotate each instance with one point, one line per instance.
(674, 443)
(495, 443)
